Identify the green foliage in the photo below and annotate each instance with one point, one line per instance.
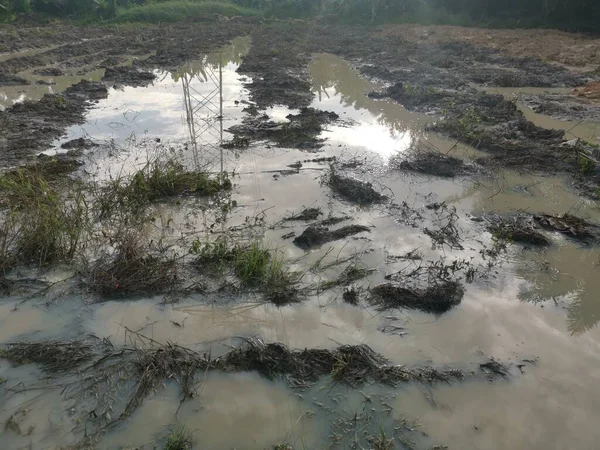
(586, 165)
(180, 10)
(180, 439)
(159, 179)
(39, 226)
(21, 6)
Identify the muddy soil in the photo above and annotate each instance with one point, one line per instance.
(405, 253)
(29, 128)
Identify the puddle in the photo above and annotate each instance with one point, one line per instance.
(586, 130)
(9, 95)
(501, 316)
(380, 126)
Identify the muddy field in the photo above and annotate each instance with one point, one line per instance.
(239, 233)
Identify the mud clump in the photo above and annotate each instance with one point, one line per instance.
(571, 226)
(292, 90)
(8, 79)
(353, 190)
(78, 144)
(306, 215)
(436, 299)
(129, 76)
(518, 229)
(301, 131)
(315, 236)
(563, 107)
(430, 161)
(54, 167)
(49, 72)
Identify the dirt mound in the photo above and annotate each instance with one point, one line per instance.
(426, 159)
(315, 236)
(129, 76)
(353, 190)
(436, 299)
(566, 48)
(518, 229)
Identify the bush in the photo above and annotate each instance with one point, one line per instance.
(179, 11)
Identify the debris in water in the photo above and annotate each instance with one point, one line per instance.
(132, 271)
(128, 75)
(315, 236)
(353, 190)
(569, 225)
(518, 229)
(424, 158)
(494, 369)
(350, 296)
(52, 356)
(436, 299)
(306, 215)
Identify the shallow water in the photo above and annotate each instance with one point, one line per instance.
(586, 130)
(540, 306)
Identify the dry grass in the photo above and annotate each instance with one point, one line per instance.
(132, 269)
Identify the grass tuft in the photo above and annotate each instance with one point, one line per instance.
(180, 439)
(158, 180)
(39, 225)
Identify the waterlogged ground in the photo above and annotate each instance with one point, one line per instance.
(533, 309)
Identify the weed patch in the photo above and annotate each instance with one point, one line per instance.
(40, 226)
(158, 180)
(179, 439)
(437, 299)
(132, 269)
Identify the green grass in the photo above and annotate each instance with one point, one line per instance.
(158, 180)
(177, 11)
(179, 439)
(39, 225)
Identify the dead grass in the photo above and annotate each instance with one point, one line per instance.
(117, 380)
(52, 356)
(518, 230)
(437, 299)
(426, 159)
(132, 269)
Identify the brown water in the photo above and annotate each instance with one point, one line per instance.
(541, 305)
(587, 130)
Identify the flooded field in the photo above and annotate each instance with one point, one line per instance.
(297, 236)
